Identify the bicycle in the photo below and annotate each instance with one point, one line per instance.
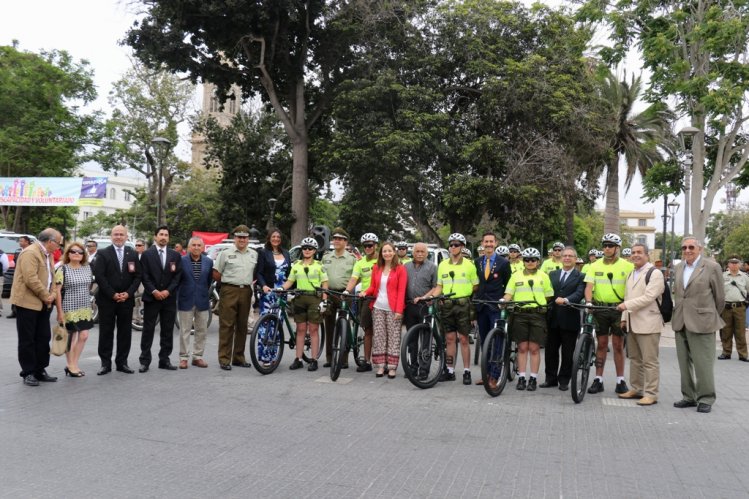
(267, 341)
(499, 352)
(347, 334)
(584, 356)
(423, 348)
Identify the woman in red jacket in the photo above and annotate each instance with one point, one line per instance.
(388, 286)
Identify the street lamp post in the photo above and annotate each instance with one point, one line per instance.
(686, 133)
(673, 208)
(665, 229)
(272, 205)
(161, 148)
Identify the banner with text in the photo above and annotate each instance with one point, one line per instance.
(53, 191)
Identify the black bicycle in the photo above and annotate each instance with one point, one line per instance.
(584, 356)
(499, 352)
(423, 347)
(347, 334)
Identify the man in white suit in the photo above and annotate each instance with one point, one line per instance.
(642, 320)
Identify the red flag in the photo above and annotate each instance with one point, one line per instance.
(211, 238)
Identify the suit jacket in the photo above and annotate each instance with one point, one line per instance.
(499, 275)
(30, 288)
(698, 307)
(642, 315)
(194, 293)
(265, 270)
(112, 278)
(573, 289)
(158, 278)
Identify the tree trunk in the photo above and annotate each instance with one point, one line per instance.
(697, 214)
(611, 216)
(19, 223)
(569, 221)
(427, 231)
(300, 187)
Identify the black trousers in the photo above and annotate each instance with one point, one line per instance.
(166, 312)
(414, 314)
(555, 339)
(110, 314)
(33, 339)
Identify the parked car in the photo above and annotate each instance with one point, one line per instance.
(9, 245)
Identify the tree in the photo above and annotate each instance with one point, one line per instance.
(42, 130)
(697, 53)
(146, 104)
(294, 53)
(737, 243)
(196, 204)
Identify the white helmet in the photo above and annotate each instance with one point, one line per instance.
(611, 238)
(502, 251)
(466, 252)
(557, 244)
(514, 246)
(456, 237)
(402, 245)
(369, 237)
(309, 241)
(599, 254)
(593, 252)
(627, 252)
(531, 253)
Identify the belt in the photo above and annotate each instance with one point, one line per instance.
(531, 310)
(734, 304)
(605, 304)
(240, 286)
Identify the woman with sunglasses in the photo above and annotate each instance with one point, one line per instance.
(388, 286)
(528, 322)
(74, 280)
(308, 275)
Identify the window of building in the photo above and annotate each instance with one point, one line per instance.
(126, 196)
(642, 222)
(623, 221)
(642, 239)
(112, 193)
(86, 214)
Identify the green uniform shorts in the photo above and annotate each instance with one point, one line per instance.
(608, 322)
(456, 316)
(306, 309)
(528, 326)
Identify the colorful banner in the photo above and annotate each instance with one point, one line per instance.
(53, 191)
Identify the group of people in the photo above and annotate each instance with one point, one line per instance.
(627, 294)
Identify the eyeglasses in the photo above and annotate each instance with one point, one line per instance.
(455, 245)
(689, 247)
(139, 244)
(514, 251)
(557, 249)
(530, 259)
(75, 252)
(609, 245)
(307, 248)
(369, 245)
(91, 246)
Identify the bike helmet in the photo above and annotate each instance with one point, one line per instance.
(557, 244)
(593, 252)
(531, 253)
(502, 251)
(612, 239)
(514, 246)
(466, 252)
(457, 237)
(599, 254)
(402, 245)
(369, 237)
(627, 252)
(309, 241)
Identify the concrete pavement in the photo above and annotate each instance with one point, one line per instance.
(207, 432)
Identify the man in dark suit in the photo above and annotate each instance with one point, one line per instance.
(699, 299)
(117, 271)
(493, 273)
(564, 322)
(162, 273)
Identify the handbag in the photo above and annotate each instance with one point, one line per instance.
(59, 340)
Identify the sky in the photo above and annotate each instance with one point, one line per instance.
(92, 29)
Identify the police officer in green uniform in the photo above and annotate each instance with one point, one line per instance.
(308, 275)
(234, 269)
(516, 261)
(456, 275)
(362, 273)
(555, 262)
(402, 251)
(528, 322)
(338, 265)
(605, 283)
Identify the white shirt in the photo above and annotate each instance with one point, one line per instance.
(382, 294)
(688, 269)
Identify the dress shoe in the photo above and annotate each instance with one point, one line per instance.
(391, 375)
(344, 366)
(225, 367)
(480, 381)
(73, 374)
(183, 364)
(199, 363)
(11, 316)
(548, 384)
(596, 387)
(241, 364)
(630, 394)
(744, 359)
(167, 366)
(143, 368)
(43, 376)
(682, 404)
(724, 357)
(124, 368)
(379, 374)
(647, 401)
(104, 370)
(30, 380)
(492, 384)
(704, 408)
(365, 367)
(564, 386)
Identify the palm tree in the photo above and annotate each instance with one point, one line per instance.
(637, 138)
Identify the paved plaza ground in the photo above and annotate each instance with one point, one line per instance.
(208, 432)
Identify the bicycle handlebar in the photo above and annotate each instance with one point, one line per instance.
(447, 296)
(342, 294)
(508, 303)
(583, 306)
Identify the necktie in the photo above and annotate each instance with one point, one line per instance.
(487, 268)
(564, 277)
(161, 257)
(120, 256)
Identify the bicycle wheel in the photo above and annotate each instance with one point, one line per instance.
(339, 348)
(495, 362)
(477, 346)
(512, 355)
(423, 356)
(357, 346)
(581, 366)
(95, 310)
(307, 354)
(266, 344)
(138, 325)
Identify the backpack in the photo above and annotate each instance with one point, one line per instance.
(666, 303)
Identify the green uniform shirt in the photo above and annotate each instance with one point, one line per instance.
(519, 288)
(549, 265)
(363, 271)
(338, 269)
(236, 267)
(586, 268)
(463, 280)
(405, 260)
(598, 274)
(517, 265)
(307, 281)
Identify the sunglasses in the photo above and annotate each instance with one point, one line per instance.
(139, 244)
(530, 259)
(307, 248)
(369, 245)
(690, 247)
(455, 245)
(514, 251)
(75, 252)
(557, 249)
(609, 245)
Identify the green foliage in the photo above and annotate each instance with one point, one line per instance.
(584, 237)
(662, 178)
(324, 212)
(195, 204)
(737, 242)
(721, 226)
(99, 224)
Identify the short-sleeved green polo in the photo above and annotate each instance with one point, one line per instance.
(609, 280)
(520, 289)
(309, 280)
(462, 280)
